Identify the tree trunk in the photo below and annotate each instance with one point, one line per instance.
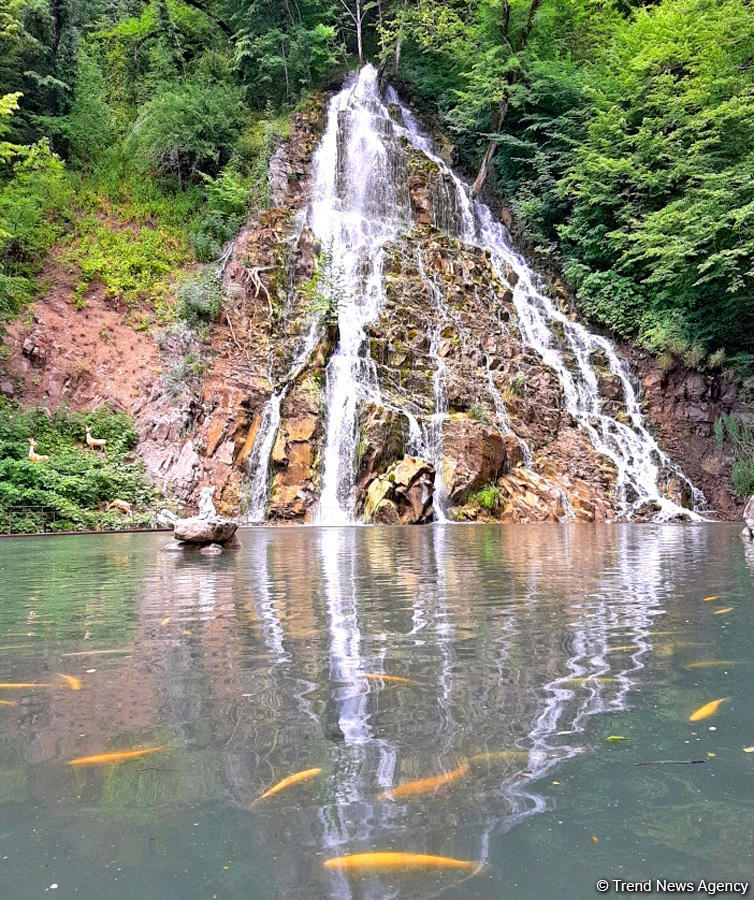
(502, 110)
(358, 33)
(489, 153)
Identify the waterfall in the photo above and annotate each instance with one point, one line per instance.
(638, 459)
(360, 202)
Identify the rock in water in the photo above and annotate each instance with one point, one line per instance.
(749, 519)
(207, 527)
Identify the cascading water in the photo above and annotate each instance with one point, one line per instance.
(360, 208)
(259, 458)
(632, 449)
(360, 202)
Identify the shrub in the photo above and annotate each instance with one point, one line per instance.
(488, 497)
(200, 299)
(187, 128)
(738, 435)
(68, 491)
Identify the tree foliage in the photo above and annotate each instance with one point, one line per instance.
(623, 131)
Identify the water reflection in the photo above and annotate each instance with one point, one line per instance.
(250, 666)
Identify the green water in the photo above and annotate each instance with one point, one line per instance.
(256, 676)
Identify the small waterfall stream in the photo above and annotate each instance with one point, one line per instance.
(259, 458)
(360, 203)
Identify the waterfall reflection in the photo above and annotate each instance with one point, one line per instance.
(250, 666)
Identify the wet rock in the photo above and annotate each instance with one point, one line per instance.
(301, 429)
(206, 527)
(474, 456)
(403, 494)
(174, 546)
(196, 530)
(610, 387)
(387, 514)
(380, 441)
(279, 171)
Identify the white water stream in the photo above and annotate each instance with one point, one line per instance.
(361, 202)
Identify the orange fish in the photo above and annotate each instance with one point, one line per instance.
(73, 683)
(21, 685)
(725, 609)
(386, 861)
(425, 785)
(621, 648)
(305, 775)
(714, 597)
(708, 663)
(166, 621)
(388, 679)
(116, 756)
(8, 703)
(709, 709)
(100, 652)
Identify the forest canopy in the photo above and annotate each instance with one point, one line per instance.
(620, 133)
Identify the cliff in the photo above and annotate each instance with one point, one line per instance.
(466, 419)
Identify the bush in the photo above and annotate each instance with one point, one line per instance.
(730, 431)
(187, 128)
(200, 300)
(68, 492)
(488, 497)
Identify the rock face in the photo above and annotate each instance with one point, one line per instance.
(402, 495)
(206, 527)
(447, 318)
(748, 531)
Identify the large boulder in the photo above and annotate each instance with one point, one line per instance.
(403, 494)
(206, 527)
(474, 455)
(196, 530)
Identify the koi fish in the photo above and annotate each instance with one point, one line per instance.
(713, 597)
(388, 679)
(708, 663)
(499, 756)
(21, 685)
(101, 759)
(582, 679)
(622, 648)
(709, 709)
(305, 775)
(386, 861)
(73, 683)
(8, 703)
(719, 612)
(425, 785)
(100, 652)
(166, 621)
